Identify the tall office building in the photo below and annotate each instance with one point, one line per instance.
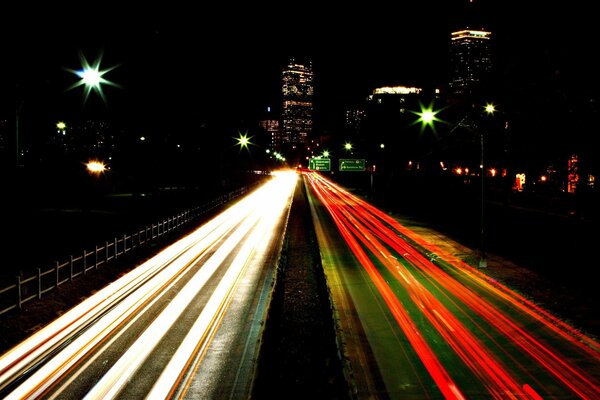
(470, 58)
(297, 112)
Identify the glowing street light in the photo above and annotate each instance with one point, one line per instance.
(427, 117)
(61, 128)
(92, 78)
(325, 153)
(95, 167)
(243, 141)
(490, 108)
(348, 146)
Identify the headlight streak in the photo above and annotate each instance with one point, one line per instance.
(63, 362)
(46, 339)
(355, 216)
(114, 380)
(195, 343)
(100, 315)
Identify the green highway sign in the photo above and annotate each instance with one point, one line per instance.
(319, 164)
(352, 164)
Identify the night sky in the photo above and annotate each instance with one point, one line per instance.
(177, 64)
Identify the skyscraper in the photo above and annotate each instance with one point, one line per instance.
(470, 58)
(297, 115)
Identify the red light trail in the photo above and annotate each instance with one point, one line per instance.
(496, 333)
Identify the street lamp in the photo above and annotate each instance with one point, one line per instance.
(490, 109)
(95, 167)
(427, 117)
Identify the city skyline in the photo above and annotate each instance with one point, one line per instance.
(175, 72)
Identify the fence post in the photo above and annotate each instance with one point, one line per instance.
(124, 243)
(57, 274)
(19, 291)
(106, 253)
(39, 273)
(84, 263)
(71, 267)
(116, 241)
(96, 257)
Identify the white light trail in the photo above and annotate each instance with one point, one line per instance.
(109, 310)
(262, 233)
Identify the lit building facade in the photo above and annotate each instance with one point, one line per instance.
(471, 62)
(353, 119)
(272, 128)
(297, 112)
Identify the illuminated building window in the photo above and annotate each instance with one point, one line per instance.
(572, 174)
(519, 183)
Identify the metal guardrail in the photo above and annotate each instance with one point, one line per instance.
(26, 289)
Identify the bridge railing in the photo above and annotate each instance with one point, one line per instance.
(25, 289)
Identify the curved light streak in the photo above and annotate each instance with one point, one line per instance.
(70, 342)
(367, 229)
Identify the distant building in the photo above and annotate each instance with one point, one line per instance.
(297, 112)
(470, 60)
(572, 173)
(353, 120)
(271, 125)
(88, 137)
(395, 97)
(272, 128)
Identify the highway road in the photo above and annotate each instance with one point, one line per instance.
(414, 322)
(186, 323)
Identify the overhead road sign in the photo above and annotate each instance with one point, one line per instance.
(319, 164)
(352, 164)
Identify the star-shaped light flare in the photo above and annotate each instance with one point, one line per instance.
(427, 117)
(243, 141)
(92, 77)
